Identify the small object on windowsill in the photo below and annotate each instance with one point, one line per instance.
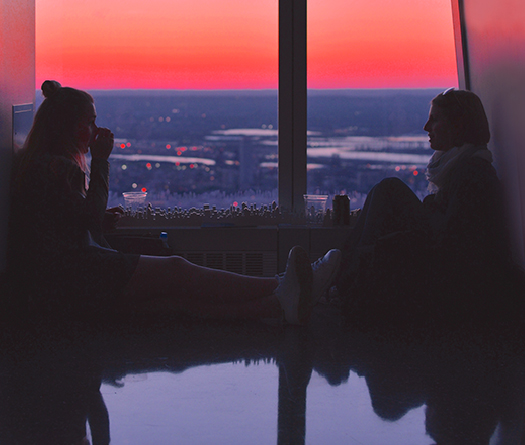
(341, 210)
(314, 209)
(164, 239)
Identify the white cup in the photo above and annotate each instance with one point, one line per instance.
(315, 208)
(134, 201)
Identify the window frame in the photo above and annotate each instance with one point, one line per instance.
(292, 92)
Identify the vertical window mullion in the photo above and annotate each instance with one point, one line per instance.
(292, 103)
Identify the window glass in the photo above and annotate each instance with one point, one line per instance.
(373, 67)
(188, 88)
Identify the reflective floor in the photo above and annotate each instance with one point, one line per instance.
(173, 381)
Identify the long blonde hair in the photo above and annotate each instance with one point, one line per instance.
(56, 122)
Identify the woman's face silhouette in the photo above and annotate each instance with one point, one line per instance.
(87, 129)
(441, 132)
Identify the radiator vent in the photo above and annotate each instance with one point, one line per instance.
(256, 264)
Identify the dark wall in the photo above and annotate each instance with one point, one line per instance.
(17, 86)
(495, 40)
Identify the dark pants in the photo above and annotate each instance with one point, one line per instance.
(390, 207)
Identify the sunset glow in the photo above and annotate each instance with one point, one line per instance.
(233, 44)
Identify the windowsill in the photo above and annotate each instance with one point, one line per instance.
(211, 218)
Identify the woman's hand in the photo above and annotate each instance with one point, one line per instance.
(102, 145)
(111, 218)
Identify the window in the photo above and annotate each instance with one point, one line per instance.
(369, 90)
(188, 88)
(208, 130)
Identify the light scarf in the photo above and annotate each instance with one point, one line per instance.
(442, 163)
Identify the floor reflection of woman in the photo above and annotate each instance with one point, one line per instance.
(453, 243)
(58, 253)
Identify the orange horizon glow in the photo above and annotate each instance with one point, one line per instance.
(233, 44)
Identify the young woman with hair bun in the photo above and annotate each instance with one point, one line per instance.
(61, 263)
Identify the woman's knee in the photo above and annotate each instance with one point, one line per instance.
(178, 261)
(154, 275)
(156, 266)
(392, 183)
(396, 189)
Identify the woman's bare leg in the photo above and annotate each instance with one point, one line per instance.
(175, 283)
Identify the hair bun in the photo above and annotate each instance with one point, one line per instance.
(50, 87)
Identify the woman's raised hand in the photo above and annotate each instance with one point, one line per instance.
(102, 145)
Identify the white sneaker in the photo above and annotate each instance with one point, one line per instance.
(295, 287)
(324, 271)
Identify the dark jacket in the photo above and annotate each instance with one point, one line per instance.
(458, 270)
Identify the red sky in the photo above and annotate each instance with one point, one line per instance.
(233, 44)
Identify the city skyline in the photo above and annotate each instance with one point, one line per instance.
(233, 44)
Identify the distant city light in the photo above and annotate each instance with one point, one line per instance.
(415, 172)
(128, 144)
(168, 146)
(148, 166)
(144, 189)
(157, 165)
(122, 145)
(124, 167)
(235, 203)
(168, 119)
(134, 185)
